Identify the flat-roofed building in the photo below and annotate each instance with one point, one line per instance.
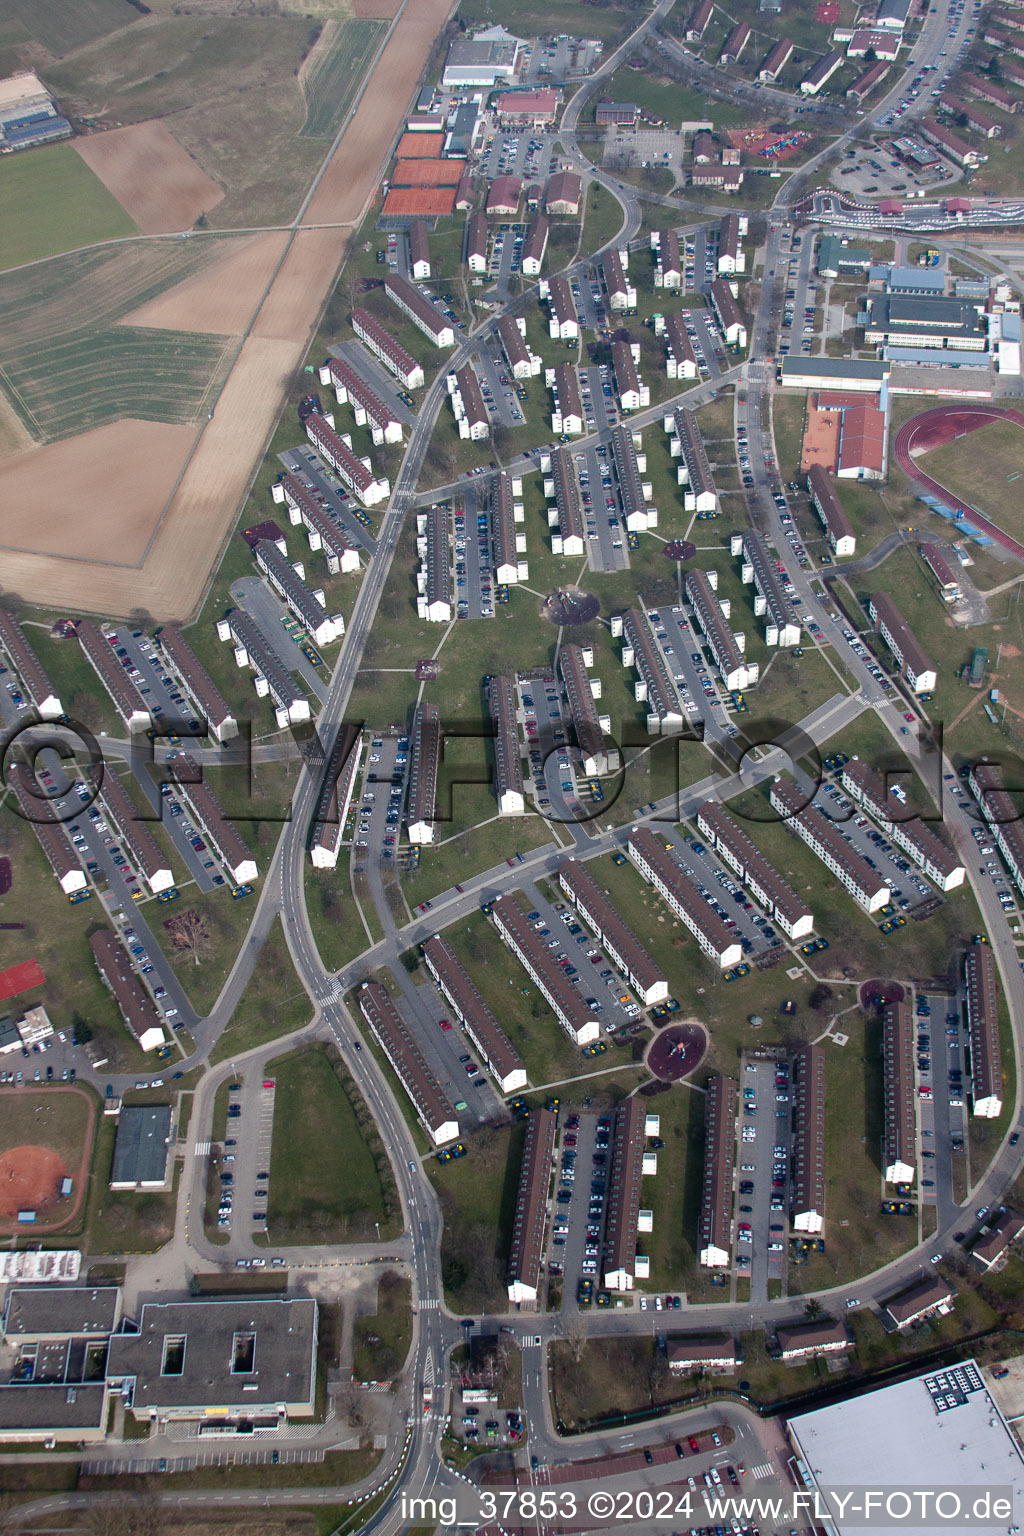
(272, 677)
(802, 1341)
(981, 989)
(621, 1264)
(522, 363)
(781, 625)
(775, 61)
(687, 445)
(837, 526)
(728, 313)
(496, 1050)
(468, 406)
(564, 193)
(910, 833)
(140, 1147)
(369, 410)
(993, 1242)
(424, 760)
(534, 246)
(680, 358)
(26, 663)
(731, 259)
(335, 797)
(824, 838)
(681, 895)
(127, 699)
(249, 1363)
(508, 539)
(925, 321)
(715, 1222)
(632, 392)
(130, 825)
(50, 833)
(761, 879)
(58, 1412)
(567, 403)
(434, 325)
(916, 667)
(526, 1249)
(325, 536)
(669, 268)
(900, 1137)
(634, 493)
(419, 251)
(402, 1050)
(565, 516)
(945, 579)
(653, 686)
(689, 1354)
(477, 238)
(1002, 815)
(807, 1177)
(508, 766)
(42, 1314)
(134, 1002)
(304, 602)
(212, 817)
(564, 322)
(821, 73)
(843, 373)
(383, 345)
(570, 1009)
(588, 725)
(725, 646)
(434, 575)
(929, 1296)
(356, 473)
(626, 951)
(615, 114)
(185, 665)
(621, 293)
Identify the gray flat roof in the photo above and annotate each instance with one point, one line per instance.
(35, 1406)
(71, 1309)
(140, 1151)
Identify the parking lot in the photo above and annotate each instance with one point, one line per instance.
(384, 384)
(940, 1050)
(642, 146)
(331, 494)
(590, 301)
(244, 1174)
(585, 963)
(499, 390)
(726, 897)
(474, 571)
(602, 506)
(762, 1221)
(698, 689)
(908, 886)
(378, 809)
(562, 58)
(523, 153)
(551, 775)
(265, 607)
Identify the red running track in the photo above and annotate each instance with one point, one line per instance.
(940, 425)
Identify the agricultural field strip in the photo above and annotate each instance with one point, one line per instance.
(332, 82)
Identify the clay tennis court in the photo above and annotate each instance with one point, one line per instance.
(677, 1051)
(46, 1135)
(157, 183)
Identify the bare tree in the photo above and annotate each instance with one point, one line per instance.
(575, 1333)
(189, 934)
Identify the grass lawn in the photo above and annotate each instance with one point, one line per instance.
(50, 201)
(602, 220)
(125, 1221)
(529, 19)
(467, 854)
(80, 690)
(983, 467)
(789, 412)
(337, 930)
(330, 1180)
(477, 1195)
(381, 1341)
(224, 921)
(675, 1197)
(272, 1005)
(611, 1377)
(39, 1117)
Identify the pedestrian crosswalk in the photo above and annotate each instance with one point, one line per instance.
(203, 1148)
(429, 1304)
(763, 1472)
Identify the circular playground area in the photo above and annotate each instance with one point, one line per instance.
(879, 994)
(935, 428)
(677, 1051)
(46, 1136)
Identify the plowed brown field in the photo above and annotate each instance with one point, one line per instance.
(306, 274)
(157, 183)
(219, 300)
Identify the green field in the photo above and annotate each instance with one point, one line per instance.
(62, 25)
(55, 1120)
(979, 467)
(273, 1004)
(330, 1179)
(381, 1340)
(477, 1195)
(69, 366)
(50, 202)
(331, 84)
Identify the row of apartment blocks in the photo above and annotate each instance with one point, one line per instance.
(726, 647)
(915, 666)
(833, 518)
(565, 515)
(632, 392)
(210, 817)
(355, 473)
(424, 762)
(680, 358)
(271, 677)
(771, 602)
(387, 350)
(307, 604)
(749, 864)
(714, 1228)
(824, 838)
(508, 764)
(416, 307)
(981, 988)
(571, 1010)
(52, 838)
(563, 321)
(434, 575)
(508, 539)
(127, 700)
(350, 388)
(653, 686)
(681, 896)
(627, 953)
(728, 313)
(1001, 814)
(182, 662)
(694, 472)
(134, 1003)
(26, 664)
(325, 535)
(597, 755)
(496, 1050)
(402, 1050)
(335, 797)
(669, 267)
(910, 833)
(900, 1133)
(630, 464)
(620, 291)
(467, 403)
(123, 815)
(526, 1249)
(567, 403)
(522, 363)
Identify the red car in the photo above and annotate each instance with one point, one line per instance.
(693, 1445)
(445, 1023)
(570, 1140)
(269, 1082)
